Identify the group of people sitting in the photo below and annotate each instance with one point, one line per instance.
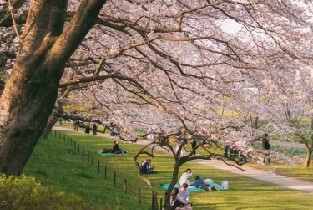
(146, 167)
(179, 199)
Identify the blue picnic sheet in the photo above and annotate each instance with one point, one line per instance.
(195, 189)
(189, 189)
(214, 184)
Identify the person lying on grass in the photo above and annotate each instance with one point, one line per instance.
(207, 184)
(200, 183)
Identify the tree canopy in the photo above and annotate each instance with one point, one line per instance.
(205, 65)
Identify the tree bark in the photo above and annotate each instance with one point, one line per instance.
(307, 160)
(172, 184)
(32, 88)
(308, 148)
(51, 121)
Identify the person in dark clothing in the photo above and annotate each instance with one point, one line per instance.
(94, 129)
(87, 129)
(200, 183)
(75, 125)
(116, 149)
(146, 167)
(226, 151)
(163, 140)
(193, 146)
(266, 147)
(266, 142)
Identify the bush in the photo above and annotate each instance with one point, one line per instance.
(21, 192)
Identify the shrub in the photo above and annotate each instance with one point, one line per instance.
(22, 192)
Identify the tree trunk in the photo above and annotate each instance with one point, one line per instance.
(307, 160)
(172, 184)
(51, 121)
(308, 148)
(32, 89)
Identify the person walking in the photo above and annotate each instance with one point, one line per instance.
(94, 129)
(266, 148)
(193, 146)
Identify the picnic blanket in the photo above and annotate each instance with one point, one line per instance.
(111, 154)
(189, 189)
(213, 184)
(195, 189)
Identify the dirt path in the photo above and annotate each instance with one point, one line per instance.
(266, 176)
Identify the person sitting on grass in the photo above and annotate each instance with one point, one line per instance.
(116, 149)
(146, 167)
(183, 195)
(184, 177)
(200, 183)
(175, 202)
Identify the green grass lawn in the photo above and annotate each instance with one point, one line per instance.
(56, 163)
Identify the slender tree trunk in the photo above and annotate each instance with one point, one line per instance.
(308, 148)
(32, 88)
(172, 184)
(51, 121)
(307, 160)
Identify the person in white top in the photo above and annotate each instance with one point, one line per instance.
(151, 137)
(184, 178)
(177, 202)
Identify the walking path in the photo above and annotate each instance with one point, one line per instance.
(266, 176)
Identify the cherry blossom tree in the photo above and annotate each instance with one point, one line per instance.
(141, 60)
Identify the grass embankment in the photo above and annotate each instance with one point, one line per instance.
(56, 163)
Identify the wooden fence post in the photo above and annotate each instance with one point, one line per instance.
(139, 195)
(114, 178)
(55, 134)
(125, 182)
(161, 203)
(98, 166)
(105, 172)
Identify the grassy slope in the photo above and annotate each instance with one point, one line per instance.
(53, 163)
(56, 163)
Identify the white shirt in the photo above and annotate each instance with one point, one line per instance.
(184, 178)
(151, 136)
(183, 196)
